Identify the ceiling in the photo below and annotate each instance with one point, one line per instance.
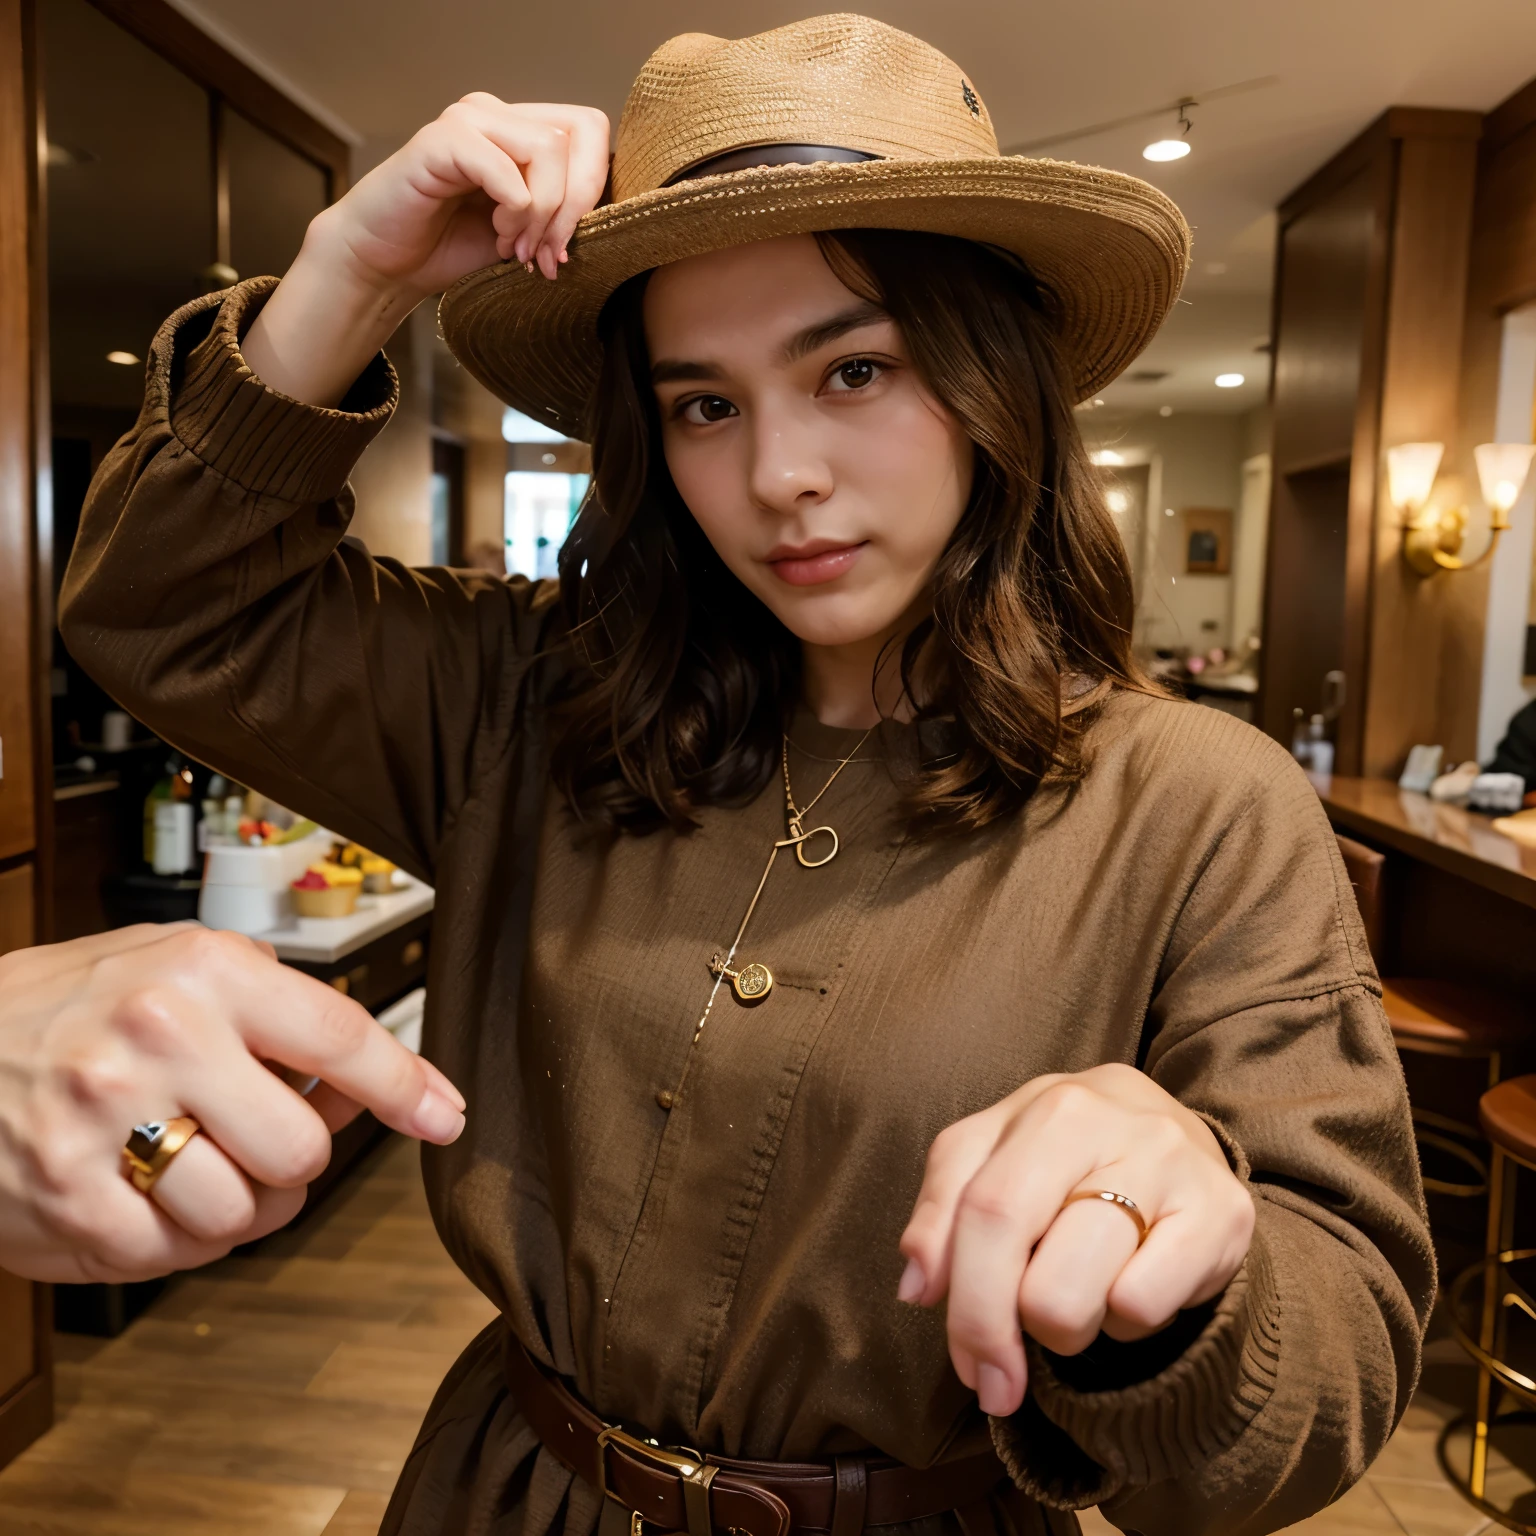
(377, 69)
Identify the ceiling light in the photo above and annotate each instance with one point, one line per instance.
(1229, 380)
(1172, 149)
(1165, 410)
(126, 359)
(1106, 456)
(1118, 501)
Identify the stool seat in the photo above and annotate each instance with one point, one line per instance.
(1451, 1018)
(1508, 1115)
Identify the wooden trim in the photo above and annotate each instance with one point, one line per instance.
(1360, 543)
(1394, 123)
(28, 1412)
(42, 486)
(192, 51)
(1509, 119)
(18, 711)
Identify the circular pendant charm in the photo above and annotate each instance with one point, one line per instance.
(752, 983)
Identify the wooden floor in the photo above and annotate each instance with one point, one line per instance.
(266, 1396)
(277, 1395)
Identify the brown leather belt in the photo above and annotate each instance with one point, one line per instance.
(680, 1490)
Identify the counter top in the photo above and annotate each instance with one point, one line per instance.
(321, 940)
(1460, 842)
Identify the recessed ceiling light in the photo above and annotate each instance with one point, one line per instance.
(1166, 149)
(1165, 410)
(1228, 380)
(1106, 456)
(126, 359)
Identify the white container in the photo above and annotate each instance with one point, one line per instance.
(246, 889)
(116, 731)
(273, 866)
(173, 851)
(248, 909)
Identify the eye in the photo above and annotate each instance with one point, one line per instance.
(856, 373)
(704, 409)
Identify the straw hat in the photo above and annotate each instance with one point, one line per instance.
(895, 137)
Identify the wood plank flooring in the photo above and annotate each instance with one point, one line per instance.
(277, 1395)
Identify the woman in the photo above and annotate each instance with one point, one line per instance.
(832, 922)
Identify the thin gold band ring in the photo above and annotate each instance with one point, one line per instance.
(1109, 1197)
(152, 1147)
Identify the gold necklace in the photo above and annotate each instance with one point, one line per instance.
(753, 982)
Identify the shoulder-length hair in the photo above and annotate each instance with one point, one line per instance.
(686, 680)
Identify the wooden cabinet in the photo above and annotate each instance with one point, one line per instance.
(18, 173)
(26, 1378)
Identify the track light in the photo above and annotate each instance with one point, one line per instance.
(1172, 149)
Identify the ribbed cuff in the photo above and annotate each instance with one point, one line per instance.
(1072, 1449)
(265, 442)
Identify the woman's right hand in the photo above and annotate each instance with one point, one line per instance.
(487, 181)
(100, 1034)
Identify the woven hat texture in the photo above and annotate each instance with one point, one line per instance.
(1111, 249)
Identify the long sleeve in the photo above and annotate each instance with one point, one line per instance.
(213, 593)
(1254, 1412)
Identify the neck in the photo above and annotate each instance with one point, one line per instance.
(842, 687)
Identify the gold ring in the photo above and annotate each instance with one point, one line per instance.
(152, 1146)
(1109, 1197)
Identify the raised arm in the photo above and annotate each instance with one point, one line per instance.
(211, 591)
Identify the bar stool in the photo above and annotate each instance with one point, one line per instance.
(1432, 1017)
(1508, 1116)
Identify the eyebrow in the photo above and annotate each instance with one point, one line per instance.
(801, 344)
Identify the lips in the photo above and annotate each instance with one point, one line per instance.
(811, 565)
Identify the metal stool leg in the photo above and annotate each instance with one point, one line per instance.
(1498, 1175)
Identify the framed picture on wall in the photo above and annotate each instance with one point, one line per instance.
(1207, 541)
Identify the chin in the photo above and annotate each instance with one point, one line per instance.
(836, 618)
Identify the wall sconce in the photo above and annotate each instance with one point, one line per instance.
(1433, 543)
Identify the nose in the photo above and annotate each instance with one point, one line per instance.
(789, 469)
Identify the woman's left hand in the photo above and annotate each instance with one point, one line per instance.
(992, 1229)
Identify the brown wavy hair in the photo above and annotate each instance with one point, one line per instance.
(687, 680)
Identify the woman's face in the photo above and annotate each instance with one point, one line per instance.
(800, 436)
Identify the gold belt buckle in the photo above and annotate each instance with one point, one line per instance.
(688, 1465)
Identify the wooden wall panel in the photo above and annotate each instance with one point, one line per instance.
(1431, 243)
(18, 925)
(1330, 281)
(18, 147)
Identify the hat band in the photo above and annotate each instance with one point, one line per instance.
(768, 154)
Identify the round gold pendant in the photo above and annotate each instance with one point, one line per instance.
(752, 983)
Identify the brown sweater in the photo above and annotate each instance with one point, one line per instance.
(703, 1235)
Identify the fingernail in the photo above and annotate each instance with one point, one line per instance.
(520, 250)
(993, 1390)
(565, 255)
(527, 266)
(444, 1086)
(436, 1119)
(912, 1282)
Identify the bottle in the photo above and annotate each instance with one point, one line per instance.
(1319, 748)
(160, 792)
(1301, 742)
(168, 820)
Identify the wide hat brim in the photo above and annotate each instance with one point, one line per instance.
(1111, 249)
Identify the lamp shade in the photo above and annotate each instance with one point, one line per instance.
(1411, 470)
(1501, 469)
